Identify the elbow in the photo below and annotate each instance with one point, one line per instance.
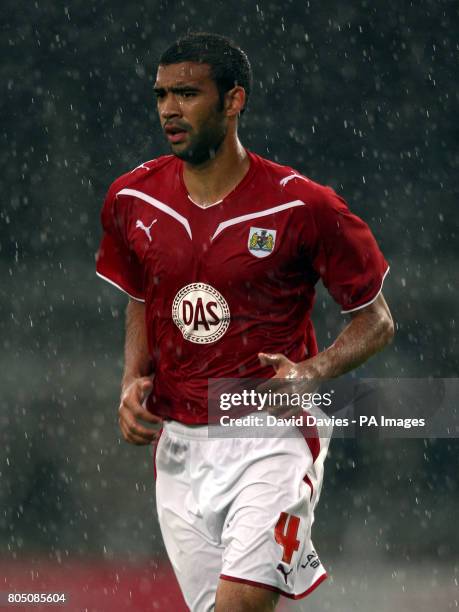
(387, 329)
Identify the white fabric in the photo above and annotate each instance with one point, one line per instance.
(219, 501)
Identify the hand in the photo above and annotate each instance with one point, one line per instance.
(132, 412)
(299, 378)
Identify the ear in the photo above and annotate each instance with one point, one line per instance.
(234, 101)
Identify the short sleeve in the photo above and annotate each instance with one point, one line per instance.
(115, 262)
(346, 255)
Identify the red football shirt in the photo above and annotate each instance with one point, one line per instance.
(223, 283)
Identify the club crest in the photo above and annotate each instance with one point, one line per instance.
(261, 241)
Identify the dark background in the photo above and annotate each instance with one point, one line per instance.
(358, 95)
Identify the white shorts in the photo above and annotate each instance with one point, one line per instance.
(238, 509)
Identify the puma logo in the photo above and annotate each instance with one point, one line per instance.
(140, 225)
(288, 178)
(141, 166)
(281, 568)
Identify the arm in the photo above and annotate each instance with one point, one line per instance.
(369, 330)
(136, 383)
(137, 361)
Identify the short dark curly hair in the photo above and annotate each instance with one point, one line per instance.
(228, 63)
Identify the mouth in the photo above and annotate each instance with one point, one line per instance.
(174, 133)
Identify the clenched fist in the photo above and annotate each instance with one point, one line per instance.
(132, 412)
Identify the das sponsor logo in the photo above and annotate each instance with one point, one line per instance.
(201, 313)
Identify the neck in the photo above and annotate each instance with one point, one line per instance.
(210, 182)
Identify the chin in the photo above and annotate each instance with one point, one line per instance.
(194, 158)
(182, 154)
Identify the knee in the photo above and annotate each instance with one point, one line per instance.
(239, 597)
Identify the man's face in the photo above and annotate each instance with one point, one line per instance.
(190, 111)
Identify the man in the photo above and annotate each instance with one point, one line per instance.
(219, 251)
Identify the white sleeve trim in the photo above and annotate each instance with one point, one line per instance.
(372, 300)
(119, 287)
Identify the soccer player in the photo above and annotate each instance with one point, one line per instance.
(219, 251)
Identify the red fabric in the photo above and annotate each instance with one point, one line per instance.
(269, 299)
(311, 436)
(344, 253)
(116, 260)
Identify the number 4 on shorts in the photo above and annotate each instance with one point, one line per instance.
(286, 537)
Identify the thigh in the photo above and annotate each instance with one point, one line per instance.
(267, 535)
(195, 556)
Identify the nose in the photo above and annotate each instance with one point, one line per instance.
(169, 107)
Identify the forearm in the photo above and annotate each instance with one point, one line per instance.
(137, 361)
(370, 330)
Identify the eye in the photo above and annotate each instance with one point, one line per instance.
(188, 94)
